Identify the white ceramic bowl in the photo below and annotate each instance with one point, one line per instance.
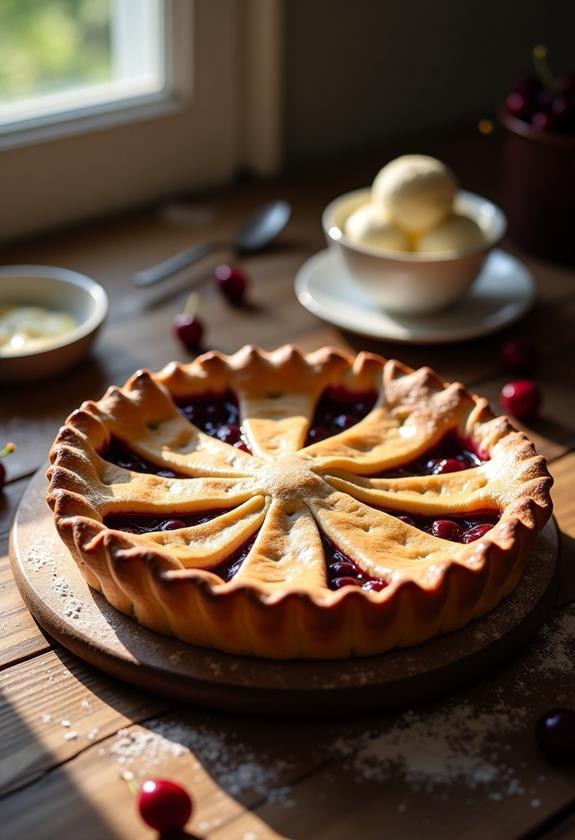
(59, 289)
(413, 283)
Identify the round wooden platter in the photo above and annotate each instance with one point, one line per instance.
(83, 621)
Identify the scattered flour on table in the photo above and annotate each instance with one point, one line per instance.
(234, 767)
(467, 742)
(455, 743)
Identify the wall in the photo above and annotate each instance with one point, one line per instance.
(361, 71)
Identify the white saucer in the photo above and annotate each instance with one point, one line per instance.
(502, 293)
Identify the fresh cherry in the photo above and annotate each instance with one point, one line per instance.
(164, 805)
(187, 327)
(519, 105)
(545, 101)
(6, 451)
(555, 733)
(232, 282)
(518, 355)
(446, 529)
(521, 398)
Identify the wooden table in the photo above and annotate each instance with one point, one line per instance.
(465, 767)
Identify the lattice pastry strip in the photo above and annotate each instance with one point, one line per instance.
(399, 428)
(288, 552)
(284, 495)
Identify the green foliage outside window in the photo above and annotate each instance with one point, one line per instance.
(51, 45)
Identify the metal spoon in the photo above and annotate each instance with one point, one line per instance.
(257, 232)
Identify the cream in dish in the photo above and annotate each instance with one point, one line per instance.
(27, 329)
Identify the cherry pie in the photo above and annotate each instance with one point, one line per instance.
(288, 505)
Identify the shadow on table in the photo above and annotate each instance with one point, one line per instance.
(39, 797)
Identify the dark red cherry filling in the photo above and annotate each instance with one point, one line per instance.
(342, 571)
(449, 455)
(231, 565)
(143, 523)
(118, 453)
(337, 410)
(218, 415)
(461, 529)
(140, 523)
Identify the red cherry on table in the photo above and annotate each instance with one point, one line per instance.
(232, 282)
(521, 399)
(555, 733)
(164, 805)
(188, 329)
(518, 355)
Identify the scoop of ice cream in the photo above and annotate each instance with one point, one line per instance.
(368, 226)
(415, 191)
(457, 233)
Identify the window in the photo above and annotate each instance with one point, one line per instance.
(106, 104)
(65, 58)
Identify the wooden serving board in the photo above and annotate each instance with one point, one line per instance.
(83, 621)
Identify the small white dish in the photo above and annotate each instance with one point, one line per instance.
(503, 292)
(408, 282)
(58, 289)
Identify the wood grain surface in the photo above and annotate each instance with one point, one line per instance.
(465, 766)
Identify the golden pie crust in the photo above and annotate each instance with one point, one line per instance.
(278, 605)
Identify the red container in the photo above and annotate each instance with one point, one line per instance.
(539, 189)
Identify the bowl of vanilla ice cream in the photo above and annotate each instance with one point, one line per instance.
(413, 241)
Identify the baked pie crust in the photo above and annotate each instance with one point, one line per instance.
(291, 496)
